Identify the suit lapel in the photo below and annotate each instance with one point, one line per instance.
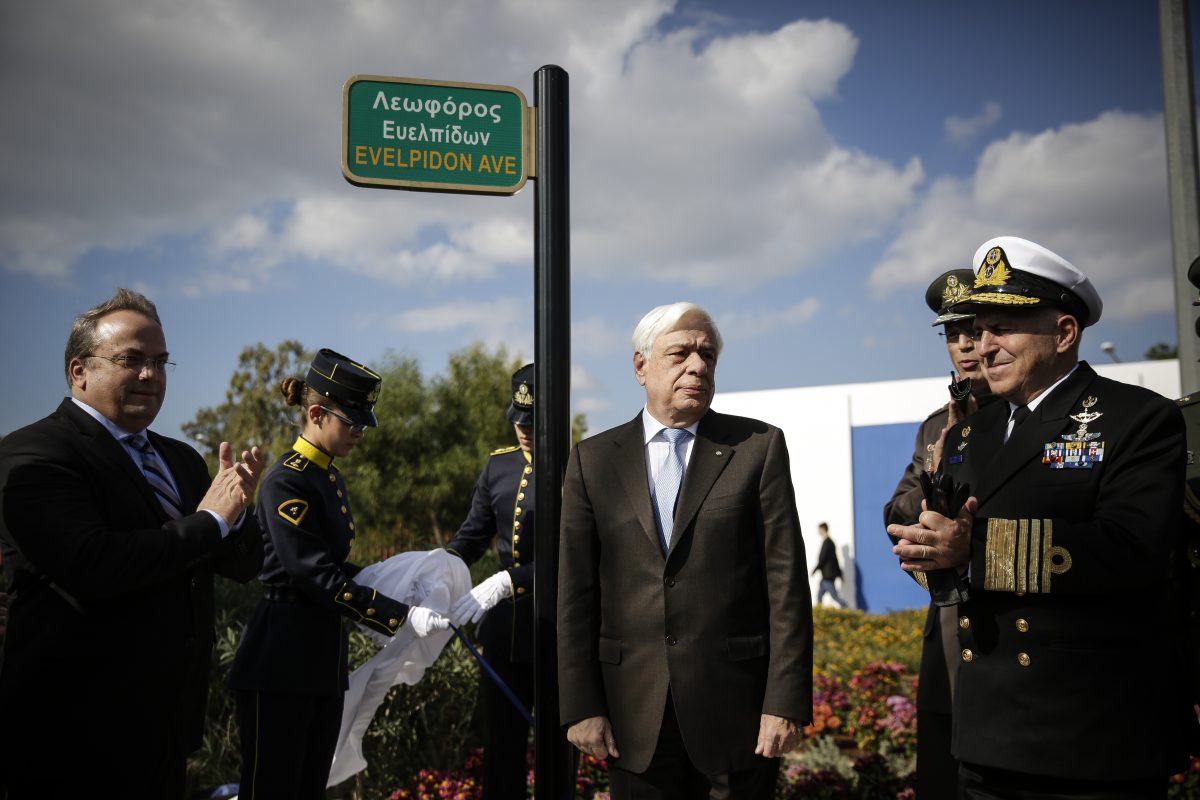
(630, 464)
(112, 453)
(709, 457)
(1045, 424)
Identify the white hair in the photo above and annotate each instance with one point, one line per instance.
(662, 319)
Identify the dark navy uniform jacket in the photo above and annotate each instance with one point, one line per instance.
(502, 509)
(1069, 661)
(295, 641)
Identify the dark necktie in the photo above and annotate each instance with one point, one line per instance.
(1019, 415)
(153, 471)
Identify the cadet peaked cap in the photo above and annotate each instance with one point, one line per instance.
(948, 289)
(1018, 273)
(354, 387)
(520, 412)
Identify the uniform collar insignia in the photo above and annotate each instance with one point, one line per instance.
(313, 453)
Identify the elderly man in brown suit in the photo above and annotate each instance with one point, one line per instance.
(684, 620)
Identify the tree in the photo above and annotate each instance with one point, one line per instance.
(1160, 351)
(253, 412)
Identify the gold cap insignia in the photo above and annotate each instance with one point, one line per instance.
(954, 292)
(522, 397)
(994, 269)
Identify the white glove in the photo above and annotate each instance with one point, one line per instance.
(472, 606)
(425, 621)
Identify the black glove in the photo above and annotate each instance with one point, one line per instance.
(945, 496)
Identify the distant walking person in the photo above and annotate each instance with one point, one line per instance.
(827, 563)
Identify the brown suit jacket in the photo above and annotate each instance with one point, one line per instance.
(724, 619)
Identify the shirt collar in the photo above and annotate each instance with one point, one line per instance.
(651, 426)
(113, 428)
(1035, 402)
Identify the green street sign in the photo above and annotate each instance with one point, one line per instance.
(412, 133)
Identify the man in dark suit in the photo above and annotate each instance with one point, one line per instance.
(828, 566)
(1066, 684)
(684, 619)
(111, 535)
(502, 510)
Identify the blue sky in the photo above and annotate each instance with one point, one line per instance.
(802, 169)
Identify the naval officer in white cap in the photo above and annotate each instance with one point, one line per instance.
(1068, 685)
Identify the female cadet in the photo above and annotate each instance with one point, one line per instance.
(290, 671)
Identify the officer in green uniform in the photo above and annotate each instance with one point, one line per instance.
(502, 511)
(290, 671)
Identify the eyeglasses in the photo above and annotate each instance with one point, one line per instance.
(353, 426)
(136, 363)
(954, 334)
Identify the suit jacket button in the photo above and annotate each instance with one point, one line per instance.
(1022, 626)
(671, 640)
(669, 581)
(967, 655)
(1023, 659)
(964, 622)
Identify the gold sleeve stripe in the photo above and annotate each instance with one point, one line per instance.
(1000, 550)
(1049, 553)
(1020, 556)
(920, 578)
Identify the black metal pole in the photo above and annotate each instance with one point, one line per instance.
(553, 760)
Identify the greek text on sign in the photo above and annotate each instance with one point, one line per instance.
(412, 133)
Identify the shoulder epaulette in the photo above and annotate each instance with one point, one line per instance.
(504, 450)
(936, 411)
(1188, 400)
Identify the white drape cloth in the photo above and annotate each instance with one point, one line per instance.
(434, 579)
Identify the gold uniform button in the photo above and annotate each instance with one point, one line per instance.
(516, 554)
(1022, 626)
(524, 483)
(332, 479)
(1020, 594)
(967, 655)
(370, 612)
(516, 538)
(351, 526)
(343, 509)
(528, 470)
(393, 622)
(347, 596)
(518, 511)
(516, 563)
(1023, 659)
(520, 590)
(516, 525)
(521, 495)
(964, 622)
(339, 492)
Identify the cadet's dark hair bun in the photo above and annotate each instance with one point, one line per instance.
(292, 390)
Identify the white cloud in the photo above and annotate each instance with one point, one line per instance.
(502, 321)
(745, 324)
(694, 156)
(1095, 192)
(960, 130)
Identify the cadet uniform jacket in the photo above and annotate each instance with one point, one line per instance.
(295, 641)
(502, 509)
(1068, 653)
(724, 619)
(111, 627)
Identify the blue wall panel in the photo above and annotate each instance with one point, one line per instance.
(880, 453)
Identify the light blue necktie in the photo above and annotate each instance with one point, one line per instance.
(168, 498)
(666, 485)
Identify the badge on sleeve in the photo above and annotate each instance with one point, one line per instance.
(293, 510)
(1081, 449)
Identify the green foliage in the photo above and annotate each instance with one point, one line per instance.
(1160, 351)
(253, 412)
